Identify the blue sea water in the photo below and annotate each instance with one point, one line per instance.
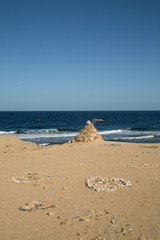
(60, 127)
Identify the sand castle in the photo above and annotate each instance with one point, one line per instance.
(88, 134)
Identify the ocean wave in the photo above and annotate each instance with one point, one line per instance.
(32, 131)
(56, 133)
(44, 144)
(65, 130)
(134, 138)
(60, 135)
(131, 133)
(110, 131)
(7, 132)
(37, 131)
(142, 128)
(54, 130)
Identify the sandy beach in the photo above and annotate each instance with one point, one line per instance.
(44, 192)
(79, 120)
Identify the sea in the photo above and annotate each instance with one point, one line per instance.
(58, 127)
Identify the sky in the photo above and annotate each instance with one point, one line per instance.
(79, 55)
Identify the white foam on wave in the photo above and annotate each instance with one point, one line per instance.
(110, 131)
(60, 135)
(6, 133)
(52, 130)
(36, 131)
(44, 144)
(132, 138)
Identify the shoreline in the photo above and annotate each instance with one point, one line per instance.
(80, 212)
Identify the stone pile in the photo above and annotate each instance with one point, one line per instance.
(88, 134)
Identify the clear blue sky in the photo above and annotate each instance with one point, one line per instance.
(79, 55)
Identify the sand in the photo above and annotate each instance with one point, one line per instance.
(65, 208)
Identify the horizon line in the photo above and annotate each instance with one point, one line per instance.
(79, 110)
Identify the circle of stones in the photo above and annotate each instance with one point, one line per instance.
(35, 205)
(102, 184)
(31, 178)
(145, 165)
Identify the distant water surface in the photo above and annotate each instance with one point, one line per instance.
(60, 127)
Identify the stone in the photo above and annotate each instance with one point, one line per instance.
(50, 213)
(113, 220)
(81, 219)
(65, 222)
(87, 220)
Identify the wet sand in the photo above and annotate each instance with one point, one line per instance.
(52, 181)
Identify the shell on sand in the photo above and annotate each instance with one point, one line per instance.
(88, 134)
(102, 184)
(35, 205)
(32, 178)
